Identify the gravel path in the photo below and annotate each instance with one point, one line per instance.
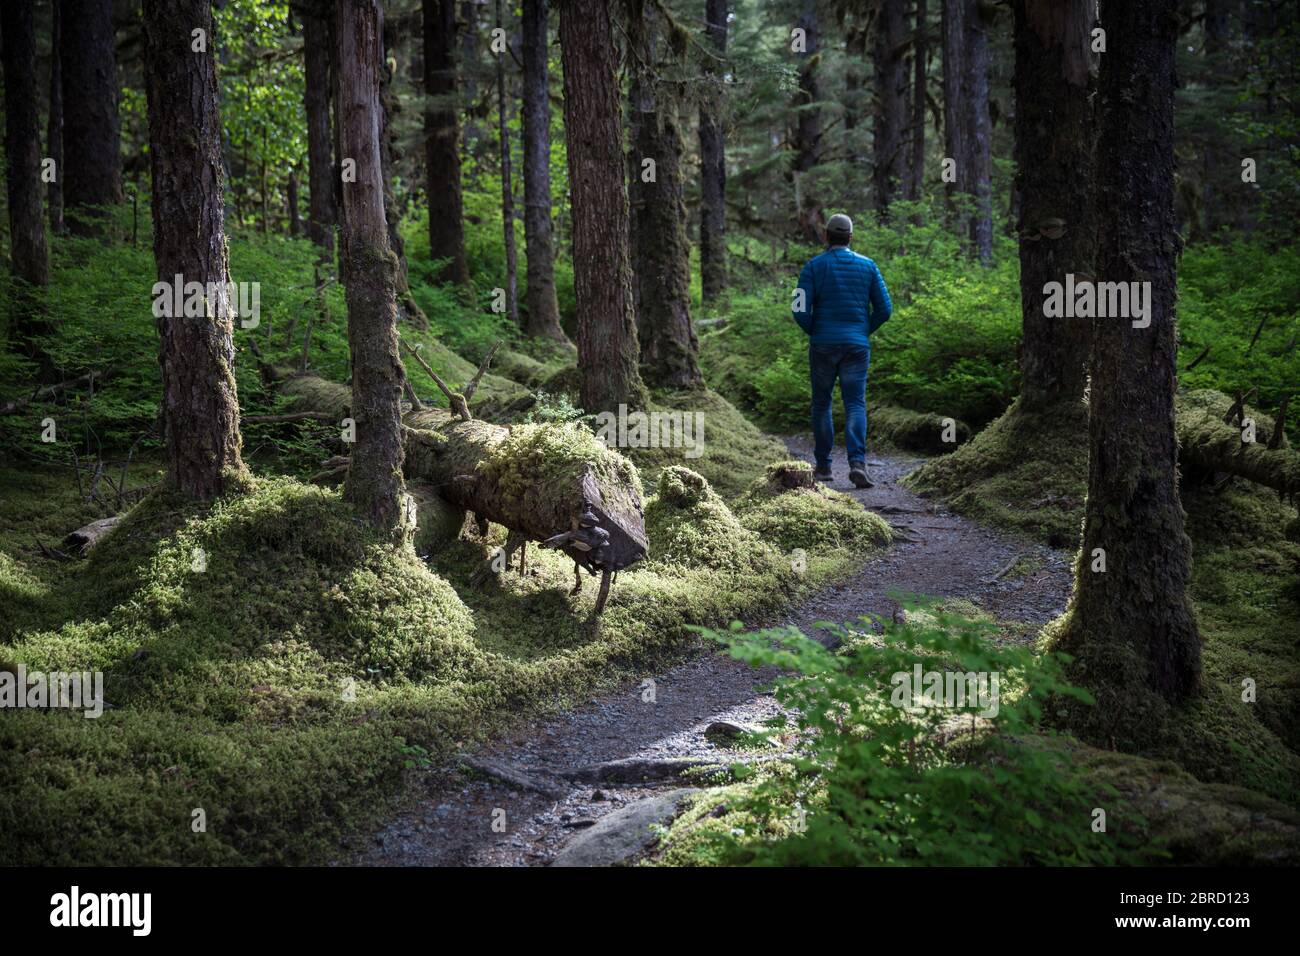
(455, 818)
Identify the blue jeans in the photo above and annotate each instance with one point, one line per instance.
(849, 364)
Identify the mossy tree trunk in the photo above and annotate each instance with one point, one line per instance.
(607, 341)
(442, 141)
(1137, 609)
(1055, 178)
(374, 480)
(890, 108)
(28, 252)
(542, 315)
(322, 214)
(713, 166)
(807, 139)
(200, 409)
(91, 135)
(660, 249)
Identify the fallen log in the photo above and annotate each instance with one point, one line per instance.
(556, 484)
(50, 391)
(1209, 445)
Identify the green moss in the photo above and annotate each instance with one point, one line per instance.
(690, 526)
(916, 431)
(733, 452)
(810, 517)
(1025, 471)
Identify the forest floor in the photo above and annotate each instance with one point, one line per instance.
(558, 775)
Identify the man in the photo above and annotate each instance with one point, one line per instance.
(840, 301)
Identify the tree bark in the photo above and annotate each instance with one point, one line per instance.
(316, 100)
(977, 111)
(966, 121)
(91, 138)
(891, 104)
(1055, 131)
(408, 310)
(807, 141)
(607, 341)
(28, 253)
(920, 53)
(713, 165)
(1137, 611)
(660, 249)
(54, 124)
(507, 186)
(542, 316)
(374, 481)
(442, 142)
(200, 409)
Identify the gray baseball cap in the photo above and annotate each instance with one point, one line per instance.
(839, 226)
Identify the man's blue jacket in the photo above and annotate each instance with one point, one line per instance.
(844, 298)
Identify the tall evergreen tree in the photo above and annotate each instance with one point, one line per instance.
(607, 341)
(442, 141)
(542, 316)
(1132, 631)
(92, 163)
(28, 252)
(374, 482)
(891, 103)
(322, 214)
(200, 409)
(713, 165)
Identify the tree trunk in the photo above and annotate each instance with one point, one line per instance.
(54, 134)
(408, 310)
(1054, 178)
(316, 100)
(469, 33)
(442, 142)
(855, 51)
(542, 319)
(808, 125)
(374, 480)
(507, 186)
(920, 53)
(1213, 157)
(92, 173)
(200, 409)
(966, 121)
(607, 342)
(1134, 620)
(976, 64)
(713, 165)
(891, 104)
(660, 249)
(291, 200)
(28, 320)
(955, 130)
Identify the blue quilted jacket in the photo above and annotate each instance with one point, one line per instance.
(844, 298)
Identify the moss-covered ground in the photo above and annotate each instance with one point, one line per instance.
(270, 665)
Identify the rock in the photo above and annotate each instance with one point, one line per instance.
(727, 731)
(623, 834)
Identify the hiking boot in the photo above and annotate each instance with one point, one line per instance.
(823, 474)
(858, 475)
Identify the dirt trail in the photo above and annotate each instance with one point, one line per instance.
(450, 815)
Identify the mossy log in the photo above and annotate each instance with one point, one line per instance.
(552, 483)
(1212, 446)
